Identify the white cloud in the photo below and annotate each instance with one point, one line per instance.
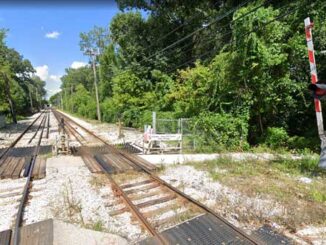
(78, 64)
(52, 81)
(55, 78)
(42, 72)
(52, 35)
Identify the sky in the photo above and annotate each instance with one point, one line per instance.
(48, 34)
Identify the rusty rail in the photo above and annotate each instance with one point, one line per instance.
(12, 145)
(162, 182)
(26, 188)
(118, 190)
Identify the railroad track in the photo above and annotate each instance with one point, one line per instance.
(4, 153)
(19, 194)
(148, 191)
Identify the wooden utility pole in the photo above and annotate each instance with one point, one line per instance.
(61, 100)
(93, 57)
(30, 97)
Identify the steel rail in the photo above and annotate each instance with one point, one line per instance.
(119, 191)
(48, 126)
(26, 189)
(132, 207)
(173, 189)
(19, 137)
(71, 129)
(37, 130)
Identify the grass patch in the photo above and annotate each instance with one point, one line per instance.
(98, 226)
(126, 177)
(279, 181)
(98, 181)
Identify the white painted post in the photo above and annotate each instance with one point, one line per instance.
(154, 121)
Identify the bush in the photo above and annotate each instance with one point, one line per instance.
(220, 131)
(276, 137)
(108, 110)
(304, 143)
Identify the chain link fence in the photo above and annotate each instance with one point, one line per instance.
(175, 126)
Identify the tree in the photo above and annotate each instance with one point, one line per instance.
(16, 80)
(92, 44)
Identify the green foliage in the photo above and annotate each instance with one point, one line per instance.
(276, 137)
(250, 88)
(306, 165)
(318, 196)
(21, 92)
(220, 131)
(193, 92)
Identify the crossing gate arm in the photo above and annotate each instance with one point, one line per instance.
(314, 79)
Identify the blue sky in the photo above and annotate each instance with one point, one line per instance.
(49, 35)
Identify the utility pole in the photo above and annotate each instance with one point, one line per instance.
(61, 101)
(72, 105)
(65, 98)
(37, 100)
(93, 55)
(30, 97)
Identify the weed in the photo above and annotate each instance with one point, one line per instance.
(98, 226)
(318, 196)
(127, 176)
(98, 181)
(71, 208)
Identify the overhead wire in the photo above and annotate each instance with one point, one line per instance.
(219, 18)
(230, 32)
(179, 26)
(245, 34)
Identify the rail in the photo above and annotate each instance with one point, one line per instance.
(27, 186)
(153, 176)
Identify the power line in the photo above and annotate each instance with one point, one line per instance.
(247, 33)
(230, 32)
(178, 27)
(219, 18)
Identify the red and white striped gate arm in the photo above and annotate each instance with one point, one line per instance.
(314, 78)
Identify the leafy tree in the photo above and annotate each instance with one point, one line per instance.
(16, 81)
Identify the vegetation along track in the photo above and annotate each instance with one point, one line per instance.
(147, 190)
(28, 171)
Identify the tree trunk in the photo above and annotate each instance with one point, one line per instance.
(261, 124)
(10, 101)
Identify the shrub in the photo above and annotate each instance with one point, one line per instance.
(108, 110)
(276, 137)
(304, 143)
(220, 131)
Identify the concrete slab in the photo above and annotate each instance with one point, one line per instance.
(55, 232)
(65, 233)
(167, 159)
